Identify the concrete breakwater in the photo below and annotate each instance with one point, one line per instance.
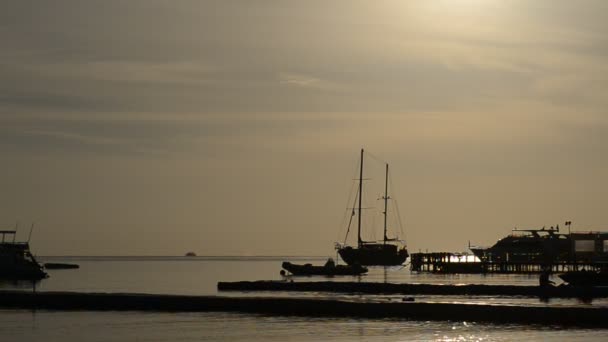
(570, 316)
(427, 289)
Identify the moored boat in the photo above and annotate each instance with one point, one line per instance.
(388, 251)
(329, 269)
(547, 246)
(370, 254)
(16, 260)
(59, 266)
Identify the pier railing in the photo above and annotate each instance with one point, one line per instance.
(444, 262)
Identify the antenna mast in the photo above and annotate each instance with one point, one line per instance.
(16, 229)
(31, 230)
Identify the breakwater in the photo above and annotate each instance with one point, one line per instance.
(426, 289)
(568, 316)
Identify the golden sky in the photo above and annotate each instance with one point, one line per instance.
(234, 127)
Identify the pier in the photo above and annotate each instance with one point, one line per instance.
(444, 262)
(314, 307)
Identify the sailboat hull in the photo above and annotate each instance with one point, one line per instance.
(374, 255)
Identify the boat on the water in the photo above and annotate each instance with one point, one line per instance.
(60, 266)
(546, 246)
(585, 278)
(190, 254)
(329, 269)
(16, 260)
(387, 252)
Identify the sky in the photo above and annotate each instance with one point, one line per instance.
(234, 127)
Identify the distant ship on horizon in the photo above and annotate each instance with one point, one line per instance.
(387, 252)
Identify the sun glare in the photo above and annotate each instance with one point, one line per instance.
(461, 5)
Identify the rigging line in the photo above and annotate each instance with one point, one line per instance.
(368, 204)
(371, 219)
(351, 217)
(402, 230)
(373, 228)
(398, 213)
(348, 229)
(374, 157)
(346, 212)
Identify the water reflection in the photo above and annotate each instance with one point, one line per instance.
(126, 326)
(11, 284)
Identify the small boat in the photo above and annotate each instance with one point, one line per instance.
(585, 278)
(190, 254)
(329, 269)
(59, 266)
(16, 260)
(387, 252)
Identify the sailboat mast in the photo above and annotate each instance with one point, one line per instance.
(385, 203)
(359, 241)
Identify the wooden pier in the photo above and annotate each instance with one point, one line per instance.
(444, 262)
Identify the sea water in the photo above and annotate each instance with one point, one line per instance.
(199, 276)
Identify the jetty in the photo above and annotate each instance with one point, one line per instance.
(416, 289)
(314, 307)
(453, 263)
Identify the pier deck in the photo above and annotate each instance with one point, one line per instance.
(451, 263)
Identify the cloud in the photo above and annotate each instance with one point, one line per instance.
(211, 58)
(301, 80)
(175, 72)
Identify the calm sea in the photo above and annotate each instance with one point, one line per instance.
(199, 275)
